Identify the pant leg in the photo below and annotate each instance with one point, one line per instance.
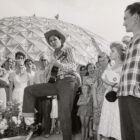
(38, 107)
(127, 131)
(34, 91)
(76, 123)
(47, 105)
(134, 107)
(66, 90)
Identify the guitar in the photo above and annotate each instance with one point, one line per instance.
(53, 70)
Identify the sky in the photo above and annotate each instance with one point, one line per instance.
(102, 17)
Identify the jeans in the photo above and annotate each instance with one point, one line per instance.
(43, 106)
(65, 89)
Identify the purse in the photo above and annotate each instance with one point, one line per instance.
(111, 96)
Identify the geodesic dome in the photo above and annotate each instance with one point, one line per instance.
(26, 34)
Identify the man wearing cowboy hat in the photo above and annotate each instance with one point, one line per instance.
(65, 86)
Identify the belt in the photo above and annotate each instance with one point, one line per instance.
(65, 76)
(45, 98)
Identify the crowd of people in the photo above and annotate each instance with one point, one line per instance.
(19, 73)
(100, 100)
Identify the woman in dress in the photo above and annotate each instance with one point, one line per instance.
(109, 126)
(98, 90)
(90, 79)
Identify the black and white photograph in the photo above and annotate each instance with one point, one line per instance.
(69, 70)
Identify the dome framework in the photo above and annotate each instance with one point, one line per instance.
(26, 34)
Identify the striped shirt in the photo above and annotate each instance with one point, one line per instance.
(130, 78)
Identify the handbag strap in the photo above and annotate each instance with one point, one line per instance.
(114, 85)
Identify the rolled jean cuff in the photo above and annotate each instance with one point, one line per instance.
(28, 114)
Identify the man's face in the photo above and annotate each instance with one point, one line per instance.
(114, 54)
(54, 42)
(19, 59)
(43, 61)
(126, 40)
(103, 61)
(29, 64)
(129, 21)
(9, 63)
(91, 69)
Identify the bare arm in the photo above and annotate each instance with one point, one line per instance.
(112, 84)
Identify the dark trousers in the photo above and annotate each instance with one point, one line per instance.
(43, 106)
(130, 117)
(76, 123)
(66, 91)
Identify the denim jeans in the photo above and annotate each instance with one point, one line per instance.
(43, 106)
(65, 89)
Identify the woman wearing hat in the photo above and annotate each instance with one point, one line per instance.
(65, 86)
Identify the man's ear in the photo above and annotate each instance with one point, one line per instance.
(136, 17)
(61, 41)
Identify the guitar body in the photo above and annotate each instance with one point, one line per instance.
(54, 72)
(60, 55)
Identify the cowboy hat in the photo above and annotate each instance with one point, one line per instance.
(54, 33)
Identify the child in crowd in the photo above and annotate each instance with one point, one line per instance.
(85, 110)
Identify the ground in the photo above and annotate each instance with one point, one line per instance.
(52, 137)
(56, 137)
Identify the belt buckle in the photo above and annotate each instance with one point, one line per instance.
(70, 76)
